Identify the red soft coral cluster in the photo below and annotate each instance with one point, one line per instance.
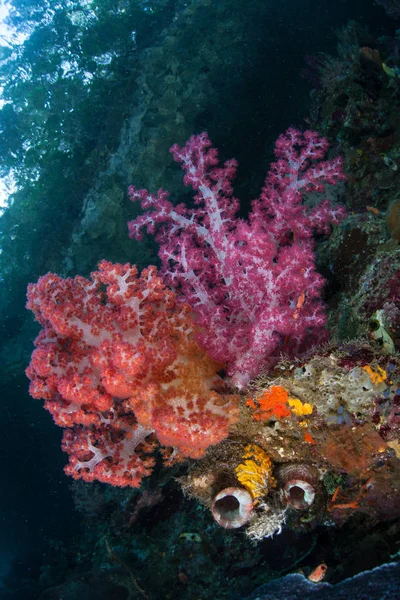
(117, 365)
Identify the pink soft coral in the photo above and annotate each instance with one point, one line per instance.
(117, 365)
(252, 284)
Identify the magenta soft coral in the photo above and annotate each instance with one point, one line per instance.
(252, 284)
(117, 365)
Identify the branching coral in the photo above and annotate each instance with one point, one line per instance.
(252, 285)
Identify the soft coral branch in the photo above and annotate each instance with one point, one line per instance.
(242, 278)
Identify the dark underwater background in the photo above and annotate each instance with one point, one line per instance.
(92, 103)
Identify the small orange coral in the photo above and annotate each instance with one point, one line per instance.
(308, 438)
(272, 403)
(377, 376)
